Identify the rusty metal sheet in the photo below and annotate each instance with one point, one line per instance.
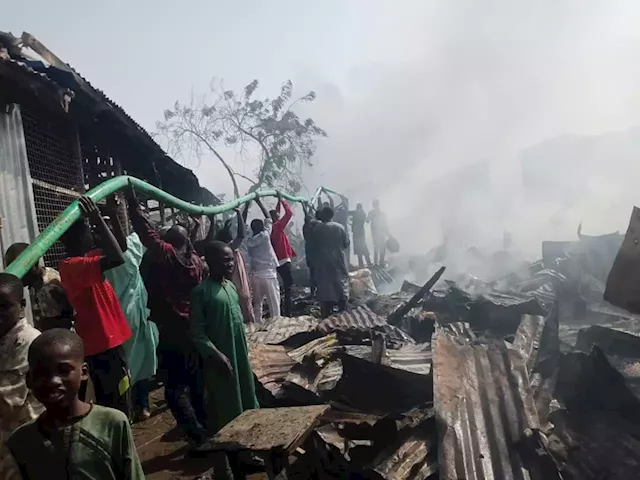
(622, 350)
(315, 378)
(414, 358)
(484, 405)
(276, 330)
(322, 347)
(361, 318)
(594, 447)
(596, 429)
(379, 389)
(271, 365)
(527, 339)
(410, 457)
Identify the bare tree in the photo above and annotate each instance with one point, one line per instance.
(267, 130)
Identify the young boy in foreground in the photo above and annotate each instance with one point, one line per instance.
(71, 439)
(17, 404)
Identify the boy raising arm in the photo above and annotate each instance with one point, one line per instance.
(99, 318)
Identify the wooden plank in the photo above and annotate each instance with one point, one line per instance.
(267, 429)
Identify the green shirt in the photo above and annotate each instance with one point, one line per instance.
(97, 446)
(216, 322)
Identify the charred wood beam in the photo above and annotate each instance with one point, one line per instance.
(401, 311)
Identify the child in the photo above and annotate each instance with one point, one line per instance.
(49, 303)
(132, 294)
(218, 333)
(99, 319)
(17, 404)
(264, 265)
(71, 439)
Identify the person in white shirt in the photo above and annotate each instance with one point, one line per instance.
(263, 265)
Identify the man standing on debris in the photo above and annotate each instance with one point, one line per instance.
(331, 242)
(177, 269)
(360, 249)
(263, 266)
(379, 232)
(284, 252)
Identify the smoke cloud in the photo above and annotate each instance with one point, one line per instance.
(489, 117)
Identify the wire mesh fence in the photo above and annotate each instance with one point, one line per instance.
(55, 168)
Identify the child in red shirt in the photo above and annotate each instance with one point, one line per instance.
(99, 319)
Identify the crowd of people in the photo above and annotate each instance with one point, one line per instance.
(122, 310)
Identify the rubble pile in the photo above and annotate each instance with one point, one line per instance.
(530, 376)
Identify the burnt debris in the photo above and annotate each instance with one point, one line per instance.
(533, 375)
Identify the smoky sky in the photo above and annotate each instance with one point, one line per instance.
(410, 92)
(485, 83)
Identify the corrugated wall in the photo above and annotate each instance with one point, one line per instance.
(17, 206)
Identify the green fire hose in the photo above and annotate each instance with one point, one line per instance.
(71, 214)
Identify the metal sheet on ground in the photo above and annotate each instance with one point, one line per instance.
(483, 406)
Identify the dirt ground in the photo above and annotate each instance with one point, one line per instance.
(162, 450)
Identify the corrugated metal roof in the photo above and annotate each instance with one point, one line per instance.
(483, 404)
(17, 208)
(59, 80)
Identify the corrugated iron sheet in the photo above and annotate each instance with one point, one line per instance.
(484, 406)
(594, 447)
(276, 330)
(270, 364)
(412, 357)
(17, 208)
(412, 457)
(361, 318)
(622, 349)
(322, 346)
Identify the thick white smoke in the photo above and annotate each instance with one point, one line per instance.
(493, 86)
